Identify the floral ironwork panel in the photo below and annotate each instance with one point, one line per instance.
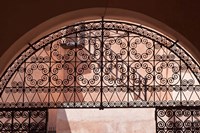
(26, 121)
(177, 120)
(101, 64)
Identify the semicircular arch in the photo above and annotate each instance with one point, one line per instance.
(99, 64)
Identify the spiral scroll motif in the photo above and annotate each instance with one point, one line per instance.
(176, 120)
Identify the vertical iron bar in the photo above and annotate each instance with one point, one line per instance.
(102, 45)
(89, 44)
(145, 88)
(192, 117)
(134, 85)
(180, 84)
(117, 71)
(128, 71)
(139, 91)
(12, 117)
(75, 69)
(29, 120)
(174, 119)
(156, 121)
(49, 89)
(47, 118)
(154, 72)
(24, 87)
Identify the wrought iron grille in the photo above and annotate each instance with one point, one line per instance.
(101, 64)
(23, 120)
(178, 120)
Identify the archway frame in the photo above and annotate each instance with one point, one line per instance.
(117, 14)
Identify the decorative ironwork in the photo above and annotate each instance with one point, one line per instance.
(101, 64)
(26, 121)
(178, 120)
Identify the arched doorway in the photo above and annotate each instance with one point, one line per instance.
(101, 64)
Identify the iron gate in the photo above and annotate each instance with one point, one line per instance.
(101, 64)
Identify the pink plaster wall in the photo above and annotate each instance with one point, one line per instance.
(106, 121)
